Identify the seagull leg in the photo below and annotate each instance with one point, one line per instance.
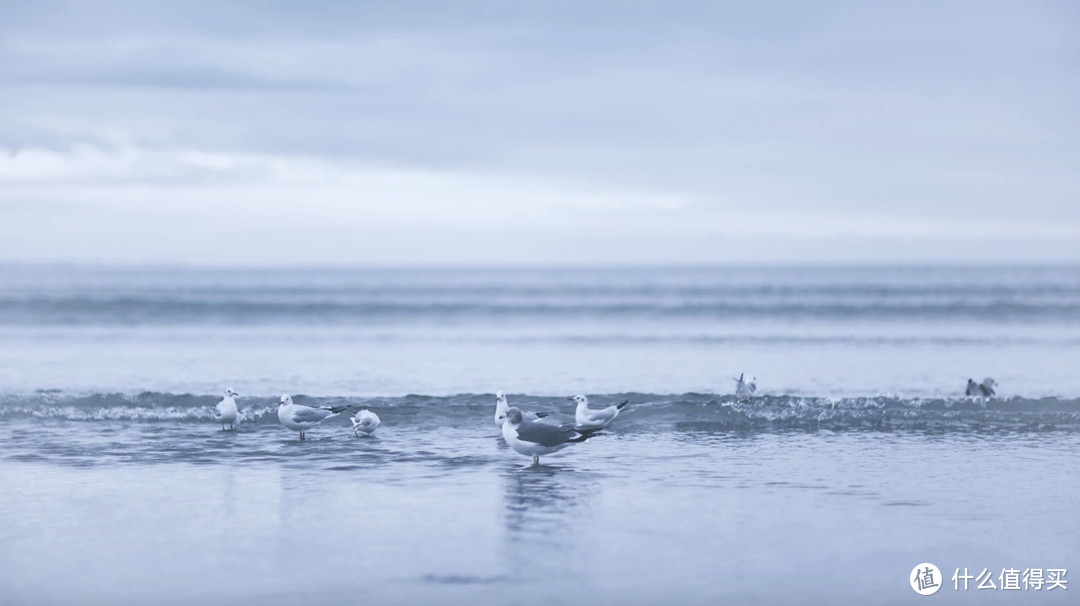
(536, 461)
(301, 434)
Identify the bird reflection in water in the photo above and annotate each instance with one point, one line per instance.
(545, 508)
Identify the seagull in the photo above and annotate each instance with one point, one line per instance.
(533, 439)
(595, 419)
(973, 388)
(984, 389)
(226, 410)
(745, 388)
(298, 417)
(365, 422)
(501, 406)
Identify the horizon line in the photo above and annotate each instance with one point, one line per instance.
(830, 264)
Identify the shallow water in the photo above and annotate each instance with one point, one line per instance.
(858, 460)
(172, 513)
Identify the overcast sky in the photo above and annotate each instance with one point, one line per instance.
(210, 132)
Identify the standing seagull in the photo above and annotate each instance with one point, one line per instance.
(500, 411)
(745, 388)
(226, 410)
(533, 439)
(365, 422)
(587, 418)
(298, 417)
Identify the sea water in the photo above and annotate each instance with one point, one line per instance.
(859, 457)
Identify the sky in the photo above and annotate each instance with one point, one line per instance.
(503, 133)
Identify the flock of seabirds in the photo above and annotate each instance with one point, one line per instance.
(523, 431)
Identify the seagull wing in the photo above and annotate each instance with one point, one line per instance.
(307, 414)
(603, 416)
(547, 435)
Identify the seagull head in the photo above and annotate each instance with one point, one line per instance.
(286, 400)
(580, 400)
(500, 397)
(513, 416)
(230, 392)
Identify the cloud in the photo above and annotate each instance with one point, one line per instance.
(650, 131)
(187, 79)
(278, 191)
(233, 184)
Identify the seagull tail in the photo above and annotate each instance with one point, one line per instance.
(336, 409)
(542, 414)
(585, 434)
(622, 404)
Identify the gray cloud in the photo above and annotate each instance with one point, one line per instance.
(183, 78)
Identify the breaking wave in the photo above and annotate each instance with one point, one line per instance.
(646, 413)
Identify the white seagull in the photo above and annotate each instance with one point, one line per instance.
(533, 439)
(501, 406)
(745, 388)
(365, 422)
(226, 410)
(587, 418)
(298, 417)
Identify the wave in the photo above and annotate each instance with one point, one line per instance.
(647, 413)
(118, 296)
(140, 311)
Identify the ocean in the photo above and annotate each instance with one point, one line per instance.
(858, 458)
